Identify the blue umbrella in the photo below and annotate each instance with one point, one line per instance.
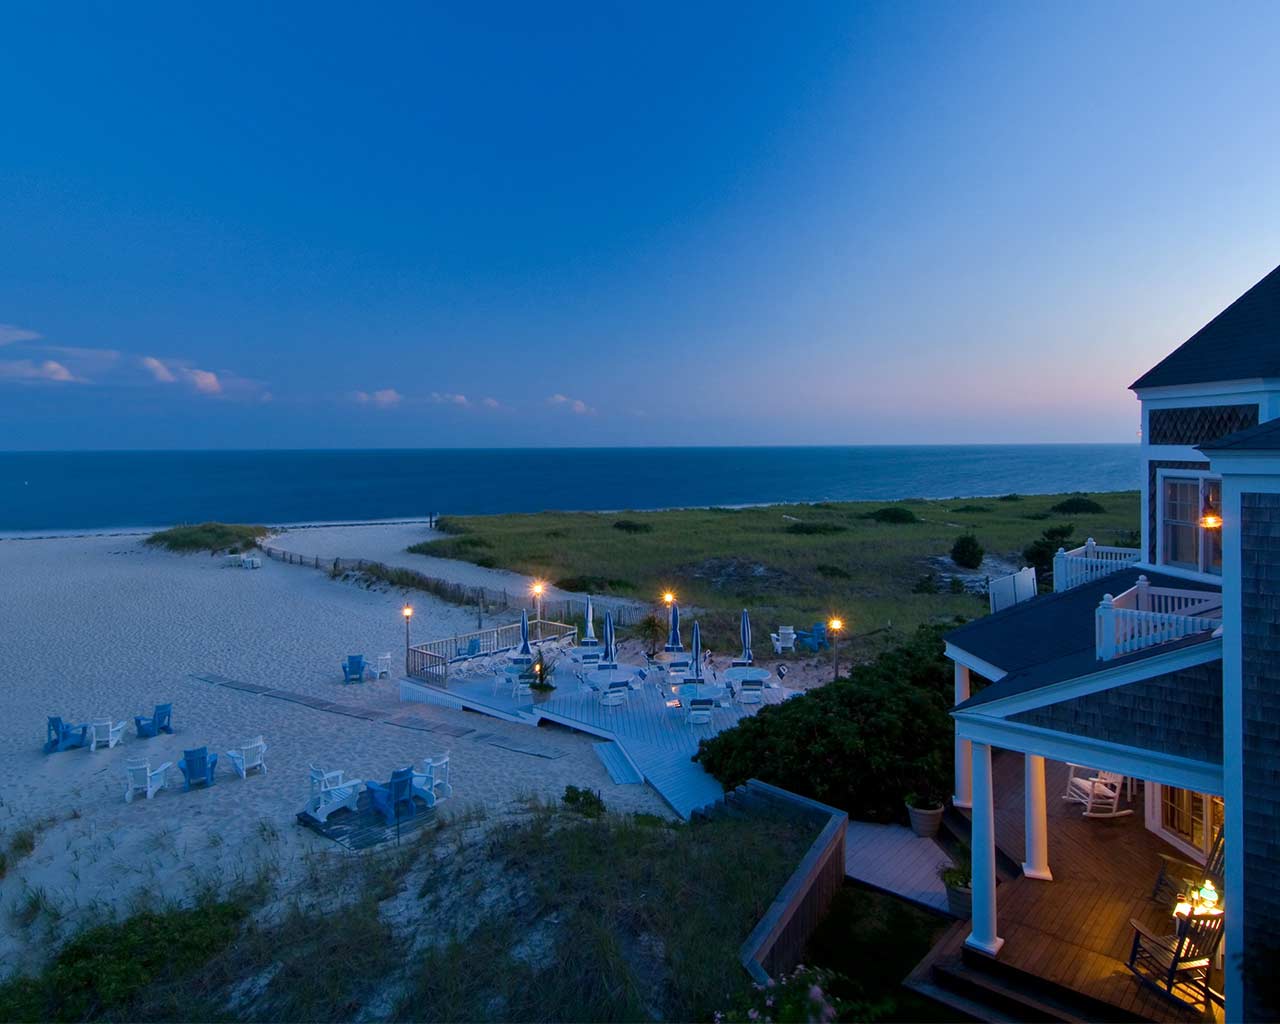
(673, 641)
(695, 657)
(745, 631)
(589, 637)
(524, 633)
(610, 646)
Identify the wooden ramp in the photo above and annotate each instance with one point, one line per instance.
(617, 764)
(896, 860)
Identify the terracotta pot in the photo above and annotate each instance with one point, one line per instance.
(960, 901)
(925, 821)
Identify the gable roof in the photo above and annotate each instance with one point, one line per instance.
(1240, 343)
(1265, 437)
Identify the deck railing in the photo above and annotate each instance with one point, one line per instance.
(1090, 561)
(430, 661)
(1145, 616)
(427, 666)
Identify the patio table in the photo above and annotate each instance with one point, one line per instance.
(746, 674)
(602, 679)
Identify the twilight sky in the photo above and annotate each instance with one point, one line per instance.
(332, 225)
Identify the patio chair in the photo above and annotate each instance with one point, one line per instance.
(1175, 872)
(160, 720)
(1099, 793)
(700, 711)
(389, 797)
(331, 791)
(248, 757)
(62, 735)
(1179, 962)
(140, 777)
(751, 691)
(105, 733)
(432, 783)
(197, 767)
(615, 695)
(784, 640)
(815, 639)
(353, 669)
(384, 666)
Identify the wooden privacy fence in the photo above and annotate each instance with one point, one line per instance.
(486, 598)
(777, 942)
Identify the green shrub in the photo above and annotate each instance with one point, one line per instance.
(858, 743)
(833, 572)
(652, 632)
(631, 526)
(586, 802)
(966, 552)
(815, 529)
(208, 537)
(594, 585)
(893, 514)
(972, 508)
(1009, 497)
(1039, 553)
(926, 584)
(956, 585)
(1076, 505)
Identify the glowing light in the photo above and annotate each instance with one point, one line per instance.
(407, 611)
(668, 597)
(1208, 895)
(1211, 521)
(538, 588)
(835, 625)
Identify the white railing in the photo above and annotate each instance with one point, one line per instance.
(1006, 591)
(430, 656)
(1090, 561)
(1145, 616)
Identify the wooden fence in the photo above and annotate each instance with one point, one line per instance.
(777, 942)
(481, 642)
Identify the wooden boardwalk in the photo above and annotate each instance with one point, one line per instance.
(896, 860)
(655, 738)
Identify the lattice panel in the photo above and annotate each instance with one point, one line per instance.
(1199, 424)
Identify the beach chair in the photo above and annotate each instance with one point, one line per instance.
(384, 666)
(1175, 872)
(700, 710)
(105, 733)
(140, 777)
(389, 797)
(815, 639)
(161, 720)
(432, 783)
(615, 695)
(1179, 963)
(353, 669)
(751, 691)
(1099, 793)
(197, 767)
(784, 640)
(62, 735)
(248, 757)
(330, 792)
(250, 562)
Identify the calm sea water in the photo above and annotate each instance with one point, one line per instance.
(91, 490)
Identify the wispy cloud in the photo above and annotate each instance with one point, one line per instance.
(28, 369)
(448, 398)
(574, 405)
(491, 403)
(386, 398)
(157, 369)
(9, 333)
(204, 381)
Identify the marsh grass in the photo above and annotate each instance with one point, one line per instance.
(212, 537)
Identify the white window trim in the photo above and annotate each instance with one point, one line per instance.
(1181, 474)
(1154, 820)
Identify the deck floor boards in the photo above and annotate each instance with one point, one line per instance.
(894, 859)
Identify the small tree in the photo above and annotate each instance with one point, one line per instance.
(966, 552)
(652, 631)
(1039, 553)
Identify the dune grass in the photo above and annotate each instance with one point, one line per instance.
(208, 537)
(788, 563)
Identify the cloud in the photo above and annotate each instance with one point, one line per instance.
(575, 405)
(9, 333)
(158, 370)
(491, 403)
(447, 398)
(26, 369)
(386, 398)
(204, 381)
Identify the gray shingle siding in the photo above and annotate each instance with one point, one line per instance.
(1199, 424)
(1177, 713)
(1260, 684)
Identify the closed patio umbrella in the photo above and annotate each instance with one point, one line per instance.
(525, 649)
(695, 656)
(673, 639)
(589, 636)
(745, 631)
(610, 642)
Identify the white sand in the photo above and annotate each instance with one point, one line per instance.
(103, 626)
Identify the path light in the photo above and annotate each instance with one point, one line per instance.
(537, 590)
(407, 612)
(667, 598)
(833, 627)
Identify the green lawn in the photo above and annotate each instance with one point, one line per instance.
(787, 563)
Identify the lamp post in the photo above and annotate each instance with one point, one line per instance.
(538, 588)
(407, 612)
(833, 627)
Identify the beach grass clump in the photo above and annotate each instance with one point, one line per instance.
(632, 526)
(893, 514)
(22, 843)
(212, 537)
(815, 529)
(594, 585)
(832, 572)
(1077, 505)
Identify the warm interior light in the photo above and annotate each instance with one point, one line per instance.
(835, 625)
(406, 611)
(668, 597)
(1210, 517)
(1208, 895)
(1182, 909)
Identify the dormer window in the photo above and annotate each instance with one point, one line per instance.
(1184, 542)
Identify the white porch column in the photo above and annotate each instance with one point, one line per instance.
(983, 935)
(964, 789)
(1036, 864)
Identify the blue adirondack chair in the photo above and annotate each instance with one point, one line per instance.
(197, 767)
(353, 669)
(389, 797)
(64, 736)
(815, 639)
(161, 720)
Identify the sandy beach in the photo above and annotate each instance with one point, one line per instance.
(105, 627)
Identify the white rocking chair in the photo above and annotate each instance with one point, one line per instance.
(1098, 792)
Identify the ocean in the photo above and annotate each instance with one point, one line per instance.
(68, 491)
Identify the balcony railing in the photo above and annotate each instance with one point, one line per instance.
(1090, 561)
(1145, 616)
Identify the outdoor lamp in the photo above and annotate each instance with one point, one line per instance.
(668, 597)
(1208, 896)
(407, 611)
(537, 589)
(1210, 517)
(835, 625)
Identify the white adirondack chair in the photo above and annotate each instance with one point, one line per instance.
(105, 733)
(700, 710)
(1098, 792)
(331, 791)
(784, 639)
(384, 666)
(432, 783)
(249, 756)
(140, 777)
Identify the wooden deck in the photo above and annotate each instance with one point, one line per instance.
(656, 739)
(1072, 935)
(896, 860)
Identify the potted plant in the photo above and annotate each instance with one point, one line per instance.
(958, 879)
(651, 632)
(539, 675)
(924, 809)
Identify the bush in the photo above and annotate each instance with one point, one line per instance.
(815, 529)
(1009, 497)
(652, 632)
(212, 537)
(926, 584)
(593, 584)
(1077, 505)
(586, 802)
(972, 508)
(966, 552)
(1039, 553)
(833, 572)
(893, 514)
(858, 743)
(631, 526)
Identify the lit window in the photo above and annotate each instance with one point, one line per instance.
(1186, 544)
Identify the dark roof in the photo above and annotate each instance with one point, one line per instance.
(1050, 638)
(1240, 343)
(1264, 437)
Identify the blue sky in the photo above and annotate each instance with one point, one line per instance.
(320, 225)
